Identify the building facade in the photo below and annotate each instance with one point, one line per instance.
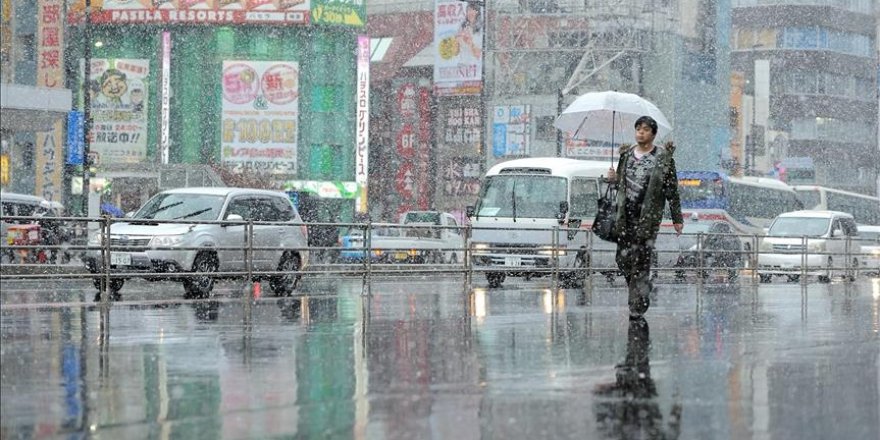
(810, 89)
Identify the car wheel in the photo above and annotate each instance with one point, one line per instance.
(495, 279)
(115, 286)
(794, 278)
(284, 284)
(578, 276)
(200, 286)
(732, 275)
(765, 278)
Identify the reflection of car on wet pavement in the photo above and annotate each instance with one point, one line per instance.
(718, 250)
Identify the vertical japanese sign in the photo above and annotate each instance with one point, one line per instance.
(362, 130)
(260, 116)
(119, 90)
(412, 137)
(165, 111)
(50, 74)
(458, 46)
(511, 130)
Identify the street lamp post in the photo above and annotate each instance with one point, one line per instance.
(751, 145)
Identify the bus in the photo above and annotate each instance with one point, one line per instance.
(864, 208)
(749, 203)
(520, 201)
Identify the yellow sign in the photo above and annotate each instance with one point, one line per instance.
(690, 182)
(4, 169)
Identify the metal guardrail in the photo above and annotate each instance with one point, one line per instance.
(420, 261)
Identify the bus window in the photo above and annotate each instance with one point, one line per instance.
(811, 199)
(584, 193)
(692, 190)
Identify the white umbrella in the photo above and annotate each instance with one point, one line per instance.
(597, 115)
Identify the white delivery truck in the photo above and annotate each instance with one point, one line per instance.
(521, 201)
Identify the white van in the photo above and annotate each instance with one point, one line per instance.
(520, 202)
(869, 237)
(831, 241)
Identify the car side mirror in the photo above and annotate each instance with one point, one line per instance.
(233, 218)
(469, 211)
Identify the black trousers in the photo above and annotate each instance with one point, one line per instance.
(634, 260)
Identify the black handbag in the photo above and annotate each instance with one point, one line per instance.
(606, 216)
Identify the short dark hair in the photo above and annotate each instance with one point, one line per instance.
(647, 120)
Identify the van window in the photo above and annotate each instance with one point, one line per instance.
(522, 196)
(584, 193)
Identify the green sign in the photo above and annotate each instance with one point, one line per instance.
(324, 189)
(346, 12)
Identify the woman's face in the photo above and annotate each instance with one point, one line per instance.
(472, 13)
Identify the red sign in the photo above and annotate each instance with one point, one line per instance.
(404, 181)
(190, 16)
(406, 141)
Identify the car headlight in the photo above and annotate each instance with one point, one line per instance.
(479, 248)
(548, 250)
(166, 240)
(876, 253)
(96, 239)
(816, 247)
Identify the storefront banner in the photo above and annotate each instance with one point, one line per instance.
(278, 12)
(165, 111)
(119, 92)
(347, 12)
(511, 130)
(461, 177)
(50, 74)
(260, 116)
(362, 124)
(325, 188)
(458, 46)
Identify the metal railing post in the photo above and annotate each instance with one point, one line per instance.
(804, 243)
(847, 250)
(468, 267)
(701, 269)
(555, 256)
(249, 230)
(105, 259)
(368, 257)
(755, 256)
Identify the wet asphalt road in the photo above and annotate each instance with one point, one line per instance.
(424, 358)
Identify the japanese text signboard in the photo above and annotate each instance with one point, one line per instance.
(458, 48)
(362, 124)
(260, 116)
(119, 93)
(277, 12)
(511, 130)
(347, 12)
(50, 74)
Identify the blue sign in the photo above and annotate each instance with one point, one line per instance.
(75, 137)
(499, 139)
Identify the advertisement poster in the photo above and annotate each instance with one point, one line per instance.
(347, 12)
(362, 125)
(279, 12)
(511, 130)
(119, 94)
(260, 116)
(458, 46)
(50, 74)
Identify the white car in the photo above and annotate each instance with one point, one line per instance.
(149, 247)
(830, 237)
(870, 255)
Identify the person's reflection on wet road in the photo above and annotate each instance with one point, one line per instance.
(627, 408)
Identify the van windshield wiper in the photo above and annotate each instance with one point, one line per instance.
(513, 200)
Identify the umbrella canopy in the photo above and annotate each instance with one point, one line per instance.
(598, 115)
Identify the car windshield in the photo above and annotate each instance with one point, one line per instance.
(870, 235)
(181, 207)
(423, 217)
(799, 226)
(522, 196)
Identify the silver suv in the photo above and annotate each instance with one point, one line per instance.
(149, 247)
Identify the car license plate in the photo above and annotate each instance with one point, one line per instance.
(512, 261)
(120, 259)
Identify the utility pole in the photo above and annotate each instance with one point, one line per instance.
(558, 132)
(87, 105)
